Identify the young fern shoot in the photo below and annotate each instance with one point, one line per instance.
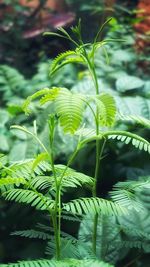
(70, 107)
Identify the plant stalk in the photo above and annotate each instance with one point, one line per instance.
(57, 212)
(56, 223)
(99, 151)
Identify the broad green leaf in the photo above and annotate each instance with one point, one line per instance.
(127, 82)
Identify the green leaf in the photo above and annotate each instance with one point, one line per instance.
(127, 137)
(62, 263)
(4, 117)
(94, 205)
(127, 82)
(70, 108)
(33, 97)
(4, 145)
(32, 234)
(107, 109)
(136, 119)
(64, 59)
(40, 158)
(12, 181)
(25, 196)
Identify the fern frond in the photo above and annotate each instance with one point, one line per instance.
(87, 263)
(72, 178)
(123, 136)
(32, 234)
(24, 169)
(62, 263)
(133, 185)
(61, 56)
(70, 108)
(126, 198)
(40, 158)
(34, 263)
(69, 249)
(33, 97)
(12, 181)
(35, 199)
(134, 244)
(136, 119)
(45, 95)
(70, 60)
(11, 81)
(63, 59)
(52, 95)
(71, 217)
(85, 132)
(127, 137)
(125, 193)
(94, 205)
(106, 108)
(42, 182)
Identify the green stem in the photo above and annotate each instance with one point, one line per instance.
(97, 165)
(56, 224)
(99, 152)
(55, 220)
(57, 213)
(68, 164)
(56, 233)
(99, 149)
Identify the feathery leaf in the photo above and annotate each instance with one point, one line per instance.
(94, 205)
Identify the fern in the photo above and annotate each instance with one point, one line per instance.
(63, 263)
(127, 137)
(11, 81)
(70, 60)
(52, 95)
(106, 108)
(40, 158)
(108, 237)
(24, 170)
(133, 106)
(12, 181)
(123, 136)
(136, 119)
(32, 234)
(85, 133)
(42, 182)
(70, 108)
(45, 95)
(94, 205)
(135, 244)
(71, 178)
(63, 59)
(126, 198)
(32, 97)
(35, 199)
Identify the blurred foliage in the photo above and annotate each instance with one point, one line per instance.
(14, 89)
(125, 77)
(21, 28)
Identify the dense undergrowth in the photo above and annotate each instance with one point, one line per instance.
(29, 175)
